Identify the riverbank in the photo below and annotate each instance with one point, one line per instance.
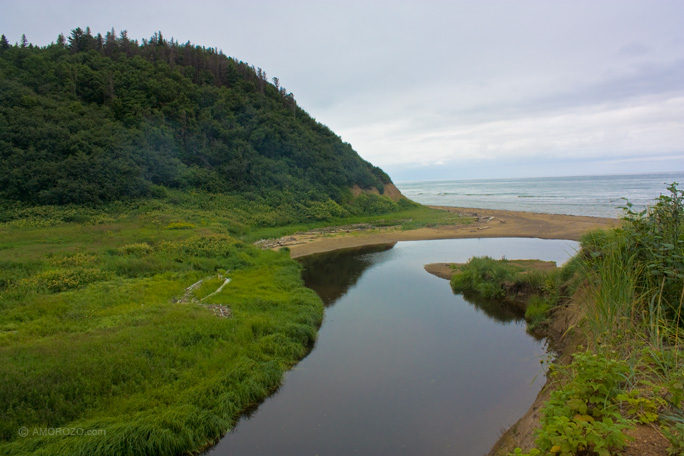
(484, 223)
(481, 223)
(565, 338)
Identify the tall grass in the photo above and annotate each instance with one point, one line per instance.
(93, 338)
(637, 272)
(614, 278)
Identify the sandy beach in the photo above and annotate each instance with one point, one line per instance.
(486, 223)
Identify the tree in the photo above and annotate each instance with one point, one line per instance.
(125, 42)
(80, 41)
(76, 40)
(110, 44)
(24, 41)
(4, 44)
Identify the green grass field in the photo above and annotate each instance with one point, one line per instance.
(92, 338)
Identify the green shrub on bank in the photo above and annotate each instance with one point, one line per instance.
(57, 280)
(635, 276)
(484, 276)
(637, 272)
(540, 291)
(537, 310)
(583, 416)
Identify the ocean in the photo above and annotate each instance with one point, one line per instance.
(597, 196)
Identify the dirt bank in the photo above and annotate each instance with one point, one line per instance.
(486, 223)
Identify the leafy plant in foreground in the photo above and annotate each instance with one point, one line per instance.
(582, 415)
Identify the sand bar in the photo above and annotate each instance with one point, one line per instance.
(487, 223)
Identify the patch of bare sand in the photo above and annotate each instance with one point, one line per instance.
(486, 223)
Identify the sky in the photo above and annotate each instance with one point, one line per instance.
(437, 90)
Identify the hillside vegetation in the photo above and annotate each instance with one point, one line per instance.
(92, 119)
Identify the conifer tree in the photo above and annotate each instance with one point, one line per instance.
(4, 44)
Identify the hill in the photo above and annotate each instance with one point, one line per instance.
(136, 317)
(91, 119)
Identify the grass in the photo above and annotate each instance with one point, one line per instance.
(410, 218)
(92, 338)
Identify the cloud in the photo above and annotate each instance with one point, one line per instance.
(649, 127)
(439, 83)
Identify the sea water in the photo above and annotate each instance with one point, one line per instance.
(598, 196)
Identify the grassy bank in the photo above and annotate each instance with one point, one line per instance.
(101, 339)
(624, 383)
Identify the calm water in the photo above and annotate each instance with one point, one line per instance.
(402, 366)
(598, 196)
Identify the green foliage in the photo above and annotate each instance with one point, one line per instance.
(94, 333)
(637, 272)
(537, 309)
(636, 279)
(57, 280)
(656, 236)
(642, 404)
(515, 280)
(675, 435)
(484, 276)
(582, 415)
(138, 249)
(97, 121)
(179, 226)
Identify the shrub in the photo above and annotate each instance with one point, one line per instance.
(179, 226)
(138, 249)
(58, 280)
(582, 415)
(484, 276)
(78, 259)
(656, 236)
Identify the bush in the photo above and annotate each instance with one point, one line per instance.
(484, 276)
(656, 236)
(582, 415)
(58, 280)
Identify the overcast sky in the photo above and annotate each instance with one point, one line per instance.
(441, 89)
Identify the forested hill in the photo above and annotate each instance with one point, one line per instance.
(92, 119)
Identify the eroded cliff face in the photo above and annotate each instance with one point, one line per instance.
(390, 190)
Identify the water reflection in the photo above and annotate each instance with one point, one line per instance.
(331, 274)
(498, 310)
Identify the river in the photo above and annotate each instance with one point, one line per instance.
(402, 365)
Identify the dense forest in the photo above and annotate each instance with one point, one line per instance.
(92, 119)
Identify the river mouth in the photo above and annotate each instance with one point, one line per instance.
(402, 366)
